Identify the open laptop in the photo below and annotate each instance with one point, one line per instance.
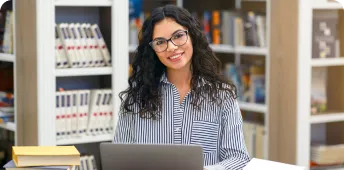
(150, 157)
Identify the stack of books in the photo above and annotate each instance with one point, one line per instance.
(43, 158)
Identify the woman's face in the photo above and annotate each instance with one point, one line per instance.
(175, 56)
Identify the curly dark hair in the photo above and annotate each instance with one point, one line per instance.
(144, 88)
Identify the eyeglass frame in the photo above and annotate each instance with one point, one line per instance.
(170, 39)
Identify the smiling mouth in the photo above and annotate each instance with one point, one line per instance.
(176, 57)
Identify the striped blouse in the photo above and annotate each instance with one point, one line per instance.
(218, 129)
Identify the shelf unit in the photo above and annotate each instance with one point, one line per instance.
(4, 57)
(37, 76)
(291, 80)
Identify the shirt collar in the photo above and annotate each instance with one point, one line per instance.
(165, 80)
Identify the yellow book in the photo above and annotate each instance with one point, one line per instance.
(24, 156)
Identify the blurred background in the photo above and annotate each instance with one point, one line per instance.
(63, 63)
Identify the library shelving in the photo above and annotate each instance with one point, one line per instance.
(339, 61)
(105, 3)
(236, 52)
(9, 56)
(39, 79)
(260, 108)
(256, 131)
(83, 71)
(299, 127)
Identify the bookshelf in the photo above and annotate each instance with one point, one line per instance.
(38, 78)
(11, 58)
(296, 129)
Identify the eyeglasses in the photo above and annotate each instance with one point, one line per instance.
(178, 39)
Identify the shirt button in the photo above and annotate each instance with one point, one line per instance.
(177, 129)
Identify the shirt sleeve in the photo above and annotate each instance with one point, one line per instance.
(124, 130)
(233, 152)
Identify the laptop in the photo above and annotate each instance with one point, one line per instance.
(150, 157)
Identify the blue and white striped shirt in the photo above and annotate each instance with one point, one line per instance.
(218, 129)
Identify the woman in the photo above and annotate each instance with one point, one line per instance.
(176, 94)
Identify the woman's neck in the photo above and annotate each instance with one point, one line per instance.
(179, 78)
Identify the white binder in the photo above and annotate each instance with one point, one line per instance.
(98, 54)
(79, 56)
(67, 44)
(93, 122)
(74, 108)
(60, 53)
(84, 44)
(101, 44)
(68, 112)
(58, 116)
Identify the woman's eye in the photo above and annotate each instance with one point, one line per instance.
(159, 42)
(178, 36)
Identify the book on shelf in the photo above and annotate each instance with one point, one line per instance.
(325, 41)
(254, 133)
(83, 113)
(220, 27)
(249, 80)
(7, 45)
(80, 45)
(6, 107)
(319, 90)
(233, 28)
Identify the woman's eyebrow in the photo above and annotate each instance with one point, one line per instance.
(171, 35)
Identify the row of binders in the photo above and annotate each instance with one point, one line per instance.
(83, 113)
(80, 45)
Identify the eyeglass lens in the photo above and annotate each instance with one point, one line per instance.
(177, 39)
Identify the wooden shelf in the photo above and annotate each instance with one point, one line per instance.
(251, 50)
(7, 57)
(92, 3)
(260, 108)
(327, 118)
(8, 126)
(93, 71)
(85, 139)
(324, 62)
(221, 48)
